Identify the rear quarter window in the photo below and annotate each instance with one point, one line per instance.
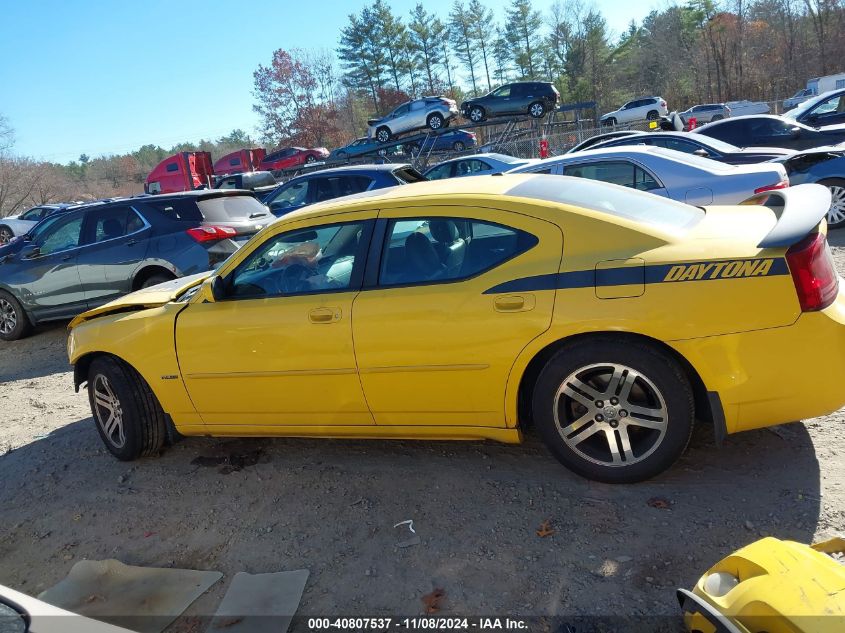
(231, 208)
(407, 175)
(185, 209)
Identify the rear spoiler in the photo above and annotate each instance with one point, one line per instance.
(798, 211)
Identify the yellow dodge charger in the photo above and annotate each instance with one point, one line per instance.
(608, 318)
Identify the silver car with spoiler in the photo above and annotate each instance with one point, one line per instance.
(665, 172)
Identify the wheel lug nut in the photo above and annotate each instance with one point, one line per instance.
(614, 401)
(623, 414)
(599, 418)
(614, 424)
(599, 403)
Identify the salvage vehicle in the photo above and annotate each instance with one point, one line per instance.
(826, 109)
(644, 109)
(452, 310)
(433, 113)
(703, 146)
(86, 257)
(184, 171)
(454, 141)
(328, 184)
(476, 165)
(360, 147)
(770, 586)
(534, 98)
(768, 130)
(824, 166)
(705, 113)
(291, 157)
(240, 161)
(13, 225)
(665, 172)
(260, 182)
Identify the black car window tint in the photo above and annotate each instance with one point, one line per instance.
(616, 172)
(109, 223)
(504, 91)
(440, 172)
(62, 236)
(172, 167)
(176, 209)
(233, 162)
(436, 249)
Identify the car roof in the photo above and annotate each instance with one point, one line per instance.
(500, 187)
(380, 167)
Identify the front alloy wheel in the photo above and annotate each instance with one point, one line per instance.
(14, 324)
(5, 235)
(108, 412)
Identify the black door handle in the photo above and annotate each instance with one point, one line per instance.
(131, 242)
(67, 258)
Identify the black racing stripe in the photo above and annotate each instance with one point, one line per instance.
(627, 275)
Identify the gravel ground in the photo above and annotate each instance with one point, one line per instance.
(330, 506)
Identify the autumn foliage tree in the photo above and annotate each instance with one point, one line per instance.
(293, 101)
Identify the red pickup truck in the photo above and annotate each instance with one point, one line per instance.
(240, 161)
(184, 171)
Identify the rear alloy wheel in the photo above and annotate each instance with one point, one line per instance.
(458, 146)
(718, 117)
(476, 114)
(613, 410)
(383, 134)
(652, 115)
(836, 212)
(14, 323)
(609, 122)
(435, 121)
(310, 159)
(6, 235)
(536, 110)
(129, 418)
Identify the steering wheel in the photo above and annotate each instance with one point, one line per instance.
(295, 278)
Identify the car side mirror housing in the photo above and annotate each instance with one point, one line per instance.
(795, 132)
(702, 152)
(30, 252)
(218, 288)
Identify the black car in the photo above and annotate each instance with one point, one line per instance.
(535, 98)
(768, 130)
(826, 109)
(328, 184)
(593, 141)
(89, 255)
(703, 146)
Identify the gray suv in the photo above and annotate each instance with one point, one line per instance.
(74, 261)
(429, 112)
(535, 98)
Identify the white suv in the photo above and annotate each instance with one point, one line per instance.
(431, 112)
(647, 108)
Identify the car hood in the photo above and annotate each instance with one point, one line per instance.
(151, 297)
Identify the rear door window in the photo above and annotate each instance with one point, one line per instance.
(616, 172)
(111, 223)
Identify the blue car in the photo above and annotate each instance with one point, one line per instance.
(823, 166)
(361, 146)
(328, 184)
(453, 141)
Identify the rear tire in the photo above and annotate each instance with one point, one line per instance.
(383, 134)
(310, 159)
(156, 279)
(6, 235)
(609, 122)
(836, 212)
(614, 410)
(652, 115)
(536, 110)
(14, 323)
(477, 114)
(127, 414)
(718, 117)
(435, 121)
(458, 146)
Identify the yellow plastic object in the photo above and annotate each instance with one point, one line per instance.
(770, 586)
(448, 360)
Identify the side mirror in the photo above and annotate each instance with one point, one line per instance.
(30, 252)
(12, 620)
(218, 288)
(795, 132)
(702, 152)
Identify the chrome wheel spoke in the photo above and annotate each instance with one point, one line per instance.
(625, 441)
(646, 416)
(108, 412)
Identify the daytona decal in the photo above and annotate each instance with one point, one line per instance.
(651, 274)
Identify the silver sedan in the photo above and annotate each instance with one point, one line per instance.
(665, 172)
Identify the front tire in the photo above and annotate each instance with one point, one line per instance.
(6, 235)
(14, 323)
(536, 110)
(127, 414)
(383, 134)
(435, 121)
(613, 410)
(836, 212)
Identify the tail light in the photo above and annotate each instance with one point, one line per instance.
(783, 184)
(211, 233)
(813, 273)
(662, 104)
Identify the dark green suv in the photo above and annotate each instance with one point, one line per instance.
(535, 98)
